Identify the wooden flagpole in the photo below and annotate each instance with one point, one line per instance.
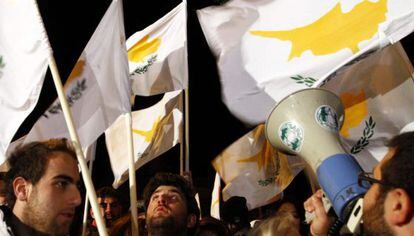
(75, 141)
(132, 177)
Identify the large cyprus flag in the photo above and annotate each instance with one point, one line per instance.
(268, 49)
(378, 94)
(24, 53)
(97, 90)
(252, 168)
(157, 55)
(155, 130)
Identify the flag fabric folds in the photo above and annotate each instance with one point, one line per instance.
(377, 91)
(157, 55)
(97, 89)
(264, 54)
(252, 168)
(24, 53)
(155, 130)
(215, 198)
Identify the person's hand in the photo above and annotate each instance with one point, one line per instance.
(320, 224)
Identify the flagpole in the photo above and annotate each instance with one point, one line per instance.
(182, 154)
(182, 140)
(187, 105)
(187, 130)
(132, 177)
(85, 211)
(75, 141)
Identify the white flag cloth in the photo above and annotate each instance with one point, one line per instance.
(215, 198)
(252, 168)
(157, 55)
(378, 94)
(155, 130)
(98, 88)
(24, 53)
(264, 54)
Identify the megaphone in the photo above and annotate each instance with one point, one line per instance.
(307, 123)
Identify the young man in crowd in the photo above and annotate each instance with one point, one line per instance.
(171, 208)
(389, 203)
(42, 190)
(112, 206)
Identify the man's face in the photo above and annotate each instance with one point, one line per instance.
(52, 201)
(167, 209)
(110, 208)
(373, 216)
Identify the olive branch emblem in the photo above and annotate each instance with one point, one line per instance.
(271, 179)
(2, 65)
(308, 81)
(266, 182)
(142, 70)
(364, 140)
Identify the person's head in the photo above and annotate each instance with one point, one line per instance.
(170, 203)
(389, 202)
(290, 209)
(110, 203)
(210, 226)
(235, 213)
(283, 223)
(43, 185)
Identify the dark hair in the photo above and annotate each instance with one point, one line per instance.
(400, 168)
(108, 191)
(30, 160)
(235, 211)
(169, 179)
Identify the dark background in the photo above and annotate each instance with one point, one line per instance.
(70, 24)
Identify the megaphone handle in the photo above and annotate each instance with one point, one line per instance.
(354, 222)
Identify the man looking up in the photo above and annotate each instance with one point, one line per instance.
(42, 189)
(389, 203)
(171, 208)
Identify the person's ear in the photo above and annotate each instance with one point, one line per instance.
(21, 188)
(191, 221)
(399, 207)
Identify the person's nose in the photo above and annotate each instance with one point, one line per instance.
(108, 208)
(163, 199)
(75, 199)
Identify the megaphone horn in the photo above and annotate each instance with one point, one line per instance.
(307, 123)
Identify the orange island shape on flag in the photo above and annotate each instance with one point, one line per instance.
(334, 31)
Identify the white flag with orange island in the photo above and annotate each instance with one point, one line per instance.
(266, 50)
(155, 130)
(24, 54)
(157, 55)
(97, 90)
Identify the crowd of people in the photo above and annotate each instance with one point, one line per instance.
(39, 195)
